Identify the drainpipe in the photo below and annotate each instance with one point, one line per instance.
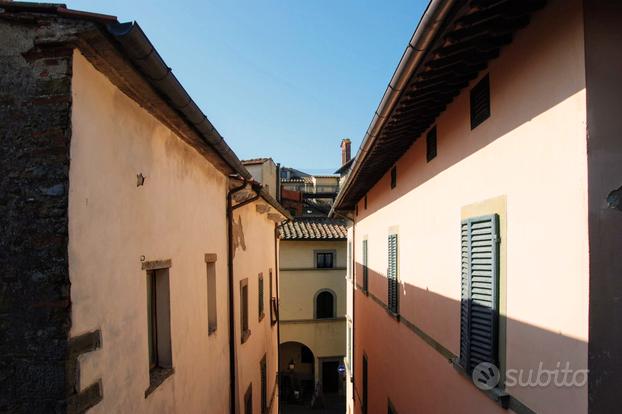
(353, 265)
(278, 319)
(230, 280)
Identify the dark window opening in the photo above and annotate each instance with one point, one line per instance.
(324, 260)
(264, 385)
(306, 356)
(245, 331)
(159, 319)
(248, 400)
(324, 305)
(260, 297)
(393, 177)
(431, 144)
(480, 102)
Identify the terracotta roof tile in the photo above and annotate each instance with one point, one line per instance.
(313, 229)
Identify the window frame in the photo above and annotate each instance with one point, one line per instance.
(260, 297)
(212, 293)
(245, 330)
(316, 261)
(316, 307)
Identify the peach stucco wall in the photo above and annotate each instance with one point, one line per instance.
(179, 214)
(532, 153)
(255, 255)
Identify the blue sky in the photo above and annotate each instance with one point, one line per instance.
(283, 79)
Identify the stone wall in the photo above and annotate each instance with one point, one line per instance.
(35, 131)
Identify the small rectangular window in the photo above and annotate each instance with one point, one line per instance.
(248, 400)
(480, 102)
(159, 320)
(324, 260)
(393, 177)
(392, 274)
(365, 268)
(272, 300)
(264, 385)
(245, 331)
(212, 306)
(350, 264)
(431, 144)
(260, 297)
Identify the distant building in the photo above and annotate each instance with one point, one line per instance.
(486, 208)
(138, 255)
(313, 307)
(266, 172)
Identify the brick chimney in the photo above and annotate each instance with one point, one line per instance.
(345, 150)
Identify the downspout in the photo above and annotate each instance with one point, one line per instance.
(353, 264)
(278, 321)
(230, 280)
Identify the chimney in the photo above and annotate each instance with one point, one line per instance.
(345, 150)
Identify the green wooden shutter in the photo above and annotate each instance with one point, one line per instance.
(365, 269)
(392, 274)
(480, 291)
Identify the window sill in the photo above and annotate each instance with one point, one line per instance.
(394, 315)
(245, 335)
(497, 394)
(156, 377)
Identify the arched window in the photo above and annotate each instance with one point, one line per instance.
(324, 305)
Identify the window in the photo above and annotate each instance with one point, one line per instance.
(264, 385)
(272, 303)
(324, 305)
(364, 403)
(365, 268)
(393, 177)
(324, 260)
(479, 308)
(248, 400)
(212, 319)
(350, 264)
(390, 408)
(392, 275)
(159, 325)
(306, 356)
(480, 102)
(431, 144)
(349, 345)
(260, 297)
(245, 331)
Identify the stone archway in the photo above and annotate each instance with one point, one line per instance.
(297, 371)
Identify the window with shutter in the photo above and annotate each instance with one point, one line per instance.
(479, 313)
(264, 385)
(260, 297)
(365, 269)
(480, 102)
(392, 274)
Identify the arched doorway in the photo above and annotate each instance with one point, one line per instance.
(297, 370)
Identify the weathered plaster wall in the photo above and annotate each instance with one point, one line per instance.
(259, 256)
(177, 214)
(532, 151)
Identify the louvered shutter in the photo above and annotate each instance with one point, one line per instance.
(480, 291)
(365, 269)
(260, 299)
(392, 273)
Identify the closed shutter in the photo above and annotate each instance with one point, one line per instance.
(392, 273)
(260, 298)
(365, 270)
(264, 386)
(479, 291)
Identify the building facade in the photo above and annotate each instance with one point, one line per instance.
(130, 229)
(485, 207)
(312, 308)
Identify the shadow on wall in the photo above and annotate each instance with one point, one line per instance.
(525, 82)
(417, 349)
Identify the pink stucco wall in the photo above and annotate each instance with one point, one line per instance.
(531, 153)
